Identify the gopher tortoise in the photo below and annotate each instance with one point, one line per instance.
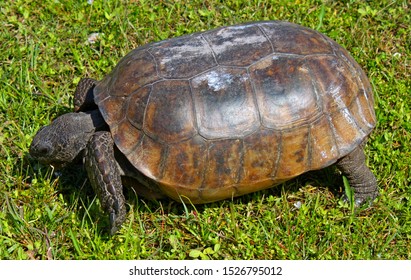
(218, 114)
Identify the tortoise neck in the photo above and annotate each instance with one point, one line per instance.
(97, 119)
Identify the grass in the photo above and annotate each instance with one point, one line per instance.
(44, 51)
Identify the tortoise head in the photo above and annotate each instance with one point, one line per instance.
(65, 138)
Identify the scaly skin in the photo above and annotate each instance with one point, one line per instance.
(360, 177)
(105, 178)
(83, 97)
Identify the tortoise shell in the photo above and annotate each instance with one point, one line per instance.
(237, 109)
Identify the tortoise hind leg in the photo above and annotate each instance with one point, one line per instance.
(105, 178)
(360, 177)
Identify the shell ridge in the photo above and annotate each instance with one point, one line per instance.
(241, 162)
(145, 109)
(203, 170)
(274, 55)
(353, 119)
(126, 115)
(206, 170)
(317, 91)
(155, 61)
(266, 36)
(331, 43)
(335, 134)
(99, 101)
(211, 49)
(254, 93)
(361, 114)
(371, 109)
(164, 156)
(308, 162)
(195, 111)
(133, 149)
(278, 158)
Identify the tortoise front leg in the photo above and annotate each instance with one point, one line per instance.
(360, 177)
(83, 96)
(104, 176)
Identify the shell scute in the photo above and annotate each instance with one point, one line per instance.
(295, 154)
(260, 158)
(186, 165)
(148, 156)
(169, 115)
(333, 80)
(224, 103)
(133, 72)
(113, 109)
(128, 135)
(285, 98)
(223, 168)
(347, 131)
(324, 150)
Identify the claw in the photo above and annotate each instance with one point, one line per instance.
(358, 202)
(113, 226)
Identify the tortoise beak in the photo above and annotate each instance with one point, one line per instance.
(42, 151)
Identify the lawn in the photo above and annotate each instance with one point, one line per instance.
(47, 46)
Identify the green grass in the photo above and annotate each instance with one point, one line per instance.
(47, 215)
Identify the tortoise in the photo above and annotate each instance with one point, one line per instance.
(218, 114)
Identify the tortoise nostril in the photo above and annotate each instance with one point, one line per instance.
(44, 150)
(41, 149)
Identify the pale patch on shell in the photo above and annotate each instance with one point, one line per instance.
(217, 81)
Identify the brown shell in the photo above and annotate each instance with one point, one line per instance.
(237, 109)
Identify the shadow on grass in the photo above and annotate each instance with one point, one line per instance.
(72, 183)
